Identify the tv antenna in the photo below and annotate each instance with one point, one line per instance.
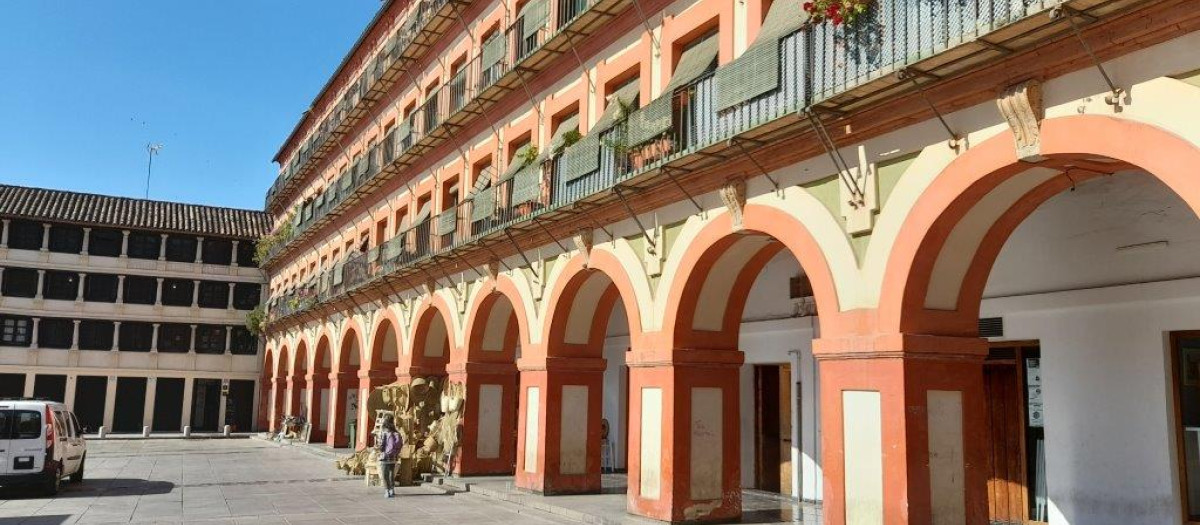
(151, 151)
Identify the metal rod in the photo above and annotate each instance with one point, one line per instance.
(522, 254)
(646, 24)
(499, 259)
(1060, 11)
(548, 234)
(761, 170)
(906, 74)
(669, 171)
(636, 220)
(583, 210)
(839, 162)
(464, 262)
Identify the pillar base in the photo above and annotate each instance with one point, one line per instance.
(558, 449)
(489, 437)
(685, 438)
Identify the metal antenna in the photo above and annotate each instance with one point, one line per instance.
(151, 151)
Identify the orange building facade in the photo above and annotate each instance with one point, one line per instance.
(762, 252)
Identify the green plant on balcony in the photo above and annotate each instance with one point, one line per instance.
(256, 319)
(527, 155)
(267, 243)
(837, 12)
(569, 139)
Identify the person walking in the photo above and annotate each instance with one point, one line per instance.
(389, 451)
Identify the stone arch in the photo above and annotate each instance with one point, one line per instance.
(497, 324)
(581, 300)
(710, 288)
(934, 280)
(349, 355)
(433, 338)
(385, 348)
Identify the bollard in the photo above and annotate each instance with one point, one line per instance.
(187, 431)
(228, 430)
(103, 431)
(145, 432)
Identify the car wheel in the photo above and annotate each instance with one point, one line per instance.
(55, 482)
(77, 476)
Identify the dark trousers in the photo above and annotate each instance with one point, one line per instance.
(387, 471)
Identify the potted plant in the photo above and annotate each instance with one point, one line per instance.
(836, 11)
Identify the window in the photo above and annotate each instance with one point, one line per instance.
(177, 292)
(15, 331)
(26, 424)
(63, 286)
(242, 342)
(104, 242)
(19, 282)
(246, 295)
(214, 294)
(181, 248)
(55, 333)
(174, 337)
(143, 245)
(25, 235)
(66, 239)
(100, 288)
(210, 339)
(245, 253)
(95, 335)
(217, 251)
(136, 337)
(140, 290)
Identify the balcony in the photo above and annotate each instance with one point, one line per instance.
(481, 83)
(818, 69)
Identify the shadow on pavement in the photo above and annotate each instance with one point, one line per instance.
(91, 487)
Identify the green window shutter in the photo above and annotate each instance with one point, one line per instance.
(447, 222)
(527, 183)
(655, 119)
(584, 157)
(568, 125)
(484, 204)
(756, 72)
(423, 215)
(516, 163)
(345, 182)
(534, 15)
(481, 183)
(493, 51)
(338, 273)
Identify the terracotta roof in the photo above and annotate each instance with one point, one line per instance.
(124, 212)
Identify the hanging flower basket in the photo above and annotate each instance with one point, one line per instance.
(837, 12)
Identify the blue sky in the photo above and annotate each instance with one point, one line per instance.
(85, 85)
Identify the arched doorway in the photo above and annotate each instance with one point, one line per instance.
(319, 393)
(278, 388)
(381, 370)
(297, 383)
(562, 392)
(1079, 264)
(344, 389)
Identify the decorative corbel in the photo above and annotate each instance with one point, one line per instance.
(537, 278)
(733, 194)
(492, 268)
(1021, 105)
(583, 242)
(859, 213)
(655, 251)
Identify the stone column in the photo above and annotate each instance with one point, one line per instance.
(75, 335)
(195, 294)
(558, 445)
(234, 257)
(4, 233)
(228, 339)
(124, 243)
(87, 240)
(158, 292)
(69, 395)
(277, 408)
(162, 248)
(903, 429)
(192, 339)
(110, 402)
(368, 382)
(489, 442)
(154, 338)
(41, 281)
(684, 434)
(148, 405)
(33, 335)
(317, 383)
(231, 285)
(188, 393)
(292, 401)
(30, 379)
(120, 289)
(79, 293)
(339, 384)
(45, 236)
(199, 250)
(116, 336)
(222, 404)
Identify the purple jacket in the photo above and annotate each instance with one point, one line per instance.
(389, 445)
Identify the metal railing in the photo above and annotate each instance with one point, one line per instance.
(814, 63)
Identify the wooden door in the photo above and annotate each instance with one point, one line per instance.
(785, 429)
(1006, 481)
(773, 428)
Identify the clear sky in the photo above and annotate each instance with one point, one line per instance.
(85, 85)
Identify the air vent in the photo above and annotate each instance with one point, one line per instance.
(991, 327)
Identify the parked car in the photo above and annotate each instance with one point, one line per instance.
(41, 442)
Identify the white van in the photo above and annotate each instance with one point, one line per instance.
(40, 443)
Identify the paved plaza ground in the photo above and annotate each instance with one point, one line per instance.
(239, 481)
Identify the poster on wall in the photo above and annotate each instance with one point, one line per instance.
(1033, 385)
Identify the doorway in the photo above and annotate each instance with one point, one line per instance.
(773, 428)
(1016, 427)
(90, 395)
(130, 404)
(168, 404)
(206, 394)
